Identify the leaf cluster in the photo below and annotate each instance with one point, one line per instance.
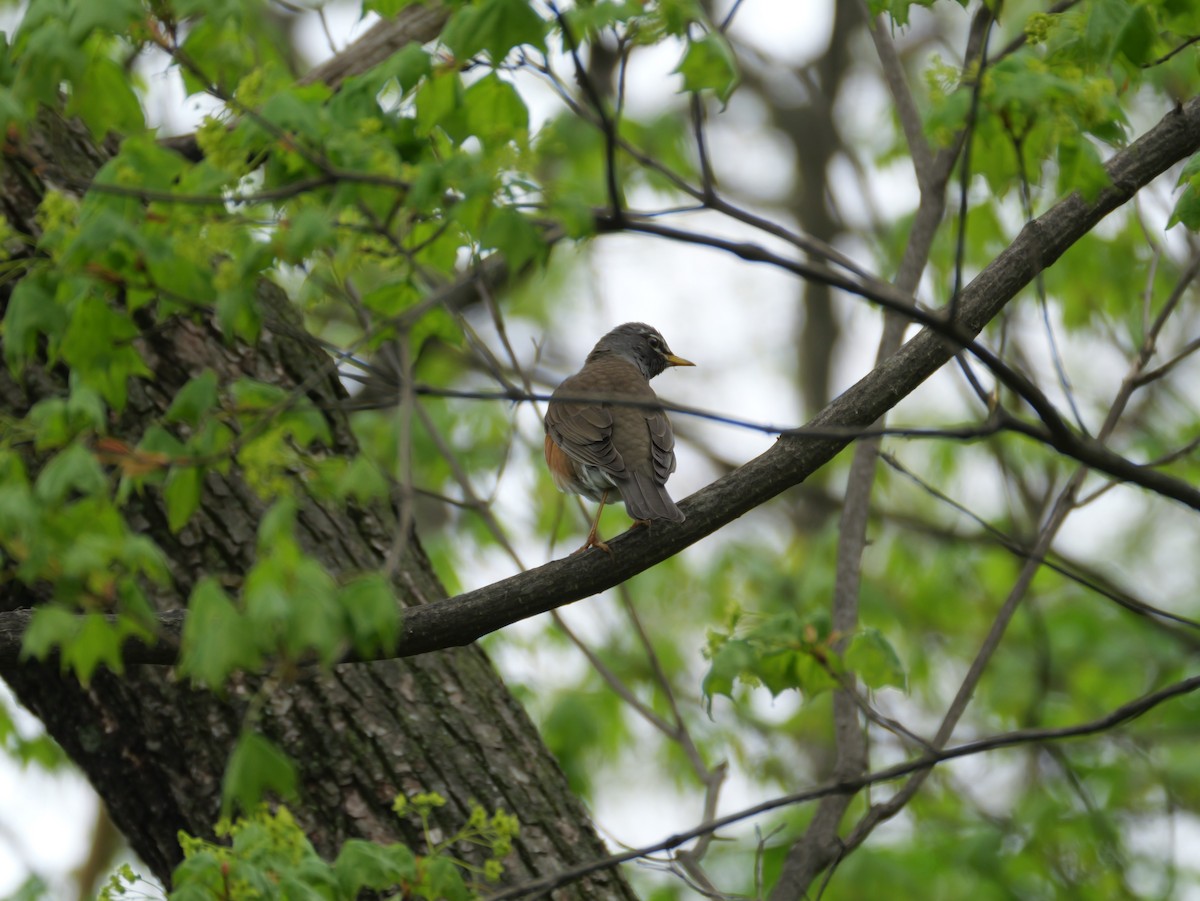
(265, 855)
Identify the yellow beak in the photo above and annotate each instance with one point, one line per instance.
(678, 361)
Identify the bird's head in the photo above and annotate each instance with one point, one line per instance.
(641, 345)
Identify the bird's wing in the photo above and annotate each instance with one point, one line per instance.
(662, 444)
(583, 431)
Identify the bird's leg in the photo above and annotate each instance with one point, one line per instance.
(593, 538)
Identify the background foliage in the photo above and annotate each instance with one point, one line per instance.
(531, 134)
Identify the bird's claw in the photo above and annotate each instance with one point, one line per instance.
(593, 540)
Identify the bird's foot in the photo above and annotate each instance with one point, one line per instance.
(593, 540)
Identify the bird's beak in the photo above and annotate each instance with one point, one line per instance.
(673, 360)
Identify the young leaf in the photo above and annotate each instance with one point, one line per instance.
(873, 658)
(104, 98)
(75, 469)
(215, 639)
(442, 881)
(182, 494)
(194, 399)
(495, 26)
(50, 627)
(32, 311)
(373, 613)
(1187, 207)
(515, 236)
(709, 65)
(85, 640)
(255, 768)
(366, 865)
(733, 658)
(496, 114)
(99, 346)
(99, 641)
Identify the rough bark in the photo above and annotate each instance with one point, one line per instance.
(155, 749)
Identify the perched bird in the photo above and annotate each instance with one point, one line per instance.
(621, 451)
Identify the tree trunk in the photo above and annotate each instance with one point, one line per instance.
(155, 749)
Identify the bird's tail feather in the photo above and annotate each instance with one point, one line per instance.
(646, 499)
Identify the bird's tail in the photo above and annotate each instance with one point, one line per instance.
(646, 499)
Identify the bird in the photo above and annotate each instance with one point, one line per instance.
(615, 451)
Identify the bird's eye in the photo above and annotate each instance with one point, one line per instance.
(654, 341)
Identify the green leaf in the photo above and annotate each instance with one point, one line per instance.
(386, 8)
(99, 641)
(112, 16)
(277, 526)
(19, 512)
(731, 659)
(181, 493)
(409, 65)
(515, 236)
(85, 640)
(708, 64)
(784, 670)
(373, 612)
(301, 235)
(292, 601)
(496, 114)
(215, 639)
(33, 888)
(194, 399)
(212, 440)
(86, 409)
(57, 421)
(32, 312)
(306, 424)
(1138, 37)
(50, 627)
(442, 881)
(104, 98)
(1187, 207)
(237, 311)
(249, 394)
(73, 470)
(1120, 27)
(1191, 169)
(362, 480)
(158, 440)
(300, 110)
(876, 662)
(1081, 169)
(438, 100)
(367, 865)
(676, 16)
(98, 345)
(222, 54)
(495, 26)
(256, 767)
(145, 163)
